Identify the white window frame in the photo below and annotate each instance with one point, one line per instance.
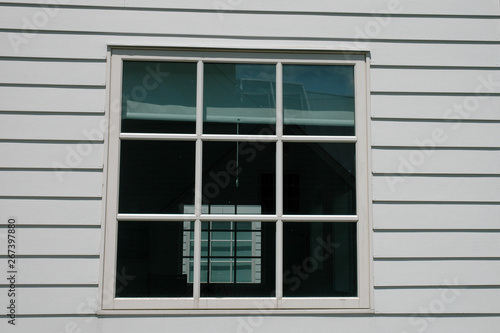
(361, 303)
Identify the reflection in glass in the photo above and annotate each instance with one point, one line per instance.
(231, 251)
(150, 256)
(318, 100)
(239, 177)
(239, 98)
(156, 176)
(319, 259)
(158, 97)
(319, 178)
(237, 260)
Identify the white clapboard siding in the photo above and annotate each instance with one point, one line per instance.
(436, 216)
(46, 155)
(402, 273)
(52, 127)
(81, 46)
(39, 45)
(435, 80)
(436, 188)
(439, 162)
(431, 134)
(53, 241)
(54, 271)
(436, 244)
(52, 99)
(431, 54)
(267, 324)
(61, 300)
(457, 7)
(51, 324)
(440, 300)
(51, 211)
(57, 183)
(244, 24)
(52, 72)
(452, 108)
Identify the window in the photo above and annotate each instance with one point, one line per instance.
(236, 181)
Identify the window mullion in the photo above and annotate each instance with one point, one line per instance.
(197, 262)
(279, 261)
(279, 181)
(198, 184)
(199, 99)
(279, 100)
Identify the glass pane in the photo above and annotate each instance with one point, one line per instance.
(159, 97)
(239, 98)
(319, 259)
(221, 270)
(221, 248)
(241, 268)
(151, 260)
(248, 270)
(156, 176)
(239, 176)
(204, 270)
(318, 100)
(246, 248)
(319, 178)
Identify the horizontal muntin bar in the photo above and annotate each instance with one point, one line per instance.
(234, 137)
(236, 218)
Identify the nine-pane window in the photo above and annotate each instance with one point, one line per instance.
(237, 179)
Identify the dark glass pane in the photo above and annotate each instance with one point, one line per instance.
(239, 99)
(318, 100)
(159, 97)
(240, 261)
(319, 178)
(319, 259)
(156, 177)
(239, 178)
(151, 260)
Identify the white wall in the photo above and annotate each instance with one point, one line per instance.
(435, 135)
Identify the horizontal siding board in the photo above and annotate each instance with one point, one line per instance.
(439, 162)
(54, 241)
(46, 155)
(51, 211)
(436, 244)
(52, 72)
(432, 54)
(435, 80)
(443, 301)
(39, 45)
(298, 323)
(78, 46)
(50, 271)
(435, 216)
(318, 26)
(51, 324)
(436, 273)
(430, 134)
(437, 188)
(57, 183)
(443, 7)
(270, 324)
(52, 99)
(61, 300)
(52, 127)
(452, 108)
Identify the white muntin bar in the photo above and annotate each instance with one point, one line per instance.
(199, 98)
(279, 261)
(197, 261)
